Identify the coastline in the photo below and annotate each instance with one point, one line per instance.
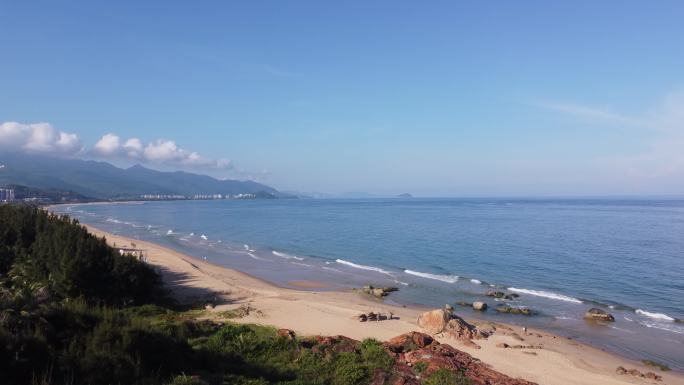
(559, 361)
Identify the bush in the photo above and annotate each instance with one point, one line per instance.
(446, 377)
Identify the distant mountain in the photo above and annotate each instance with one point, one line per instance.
(405, 195)
(105, 181)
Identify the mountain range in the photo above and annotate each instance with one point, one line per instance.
(105, 181)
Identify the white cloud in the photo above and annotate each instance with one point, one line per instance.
(161, 152)
(38, 138)
(108, 145)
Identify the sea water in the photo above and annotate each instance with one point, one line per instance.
(562, 256)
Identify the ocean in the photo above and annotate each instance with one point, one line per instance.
(562, 256)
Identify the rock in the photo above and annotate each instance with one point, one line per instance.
(502, 345)
(514, 310)
(464, 303)
(286, 333)
(479, 305)
(460, 329)
(408, 342)
(390, 289)
(495, 294)
(372, 316)
(378, 293)
(448, 307)
(434, 321)
(363, 318)
(635, 373)
(595, 314)
(442, 356)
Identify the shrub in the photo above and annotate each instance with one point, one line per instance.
(446, 377)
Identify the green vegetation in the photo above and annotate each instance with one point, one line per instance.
(446, 377)
(74, 311)
(655, 364)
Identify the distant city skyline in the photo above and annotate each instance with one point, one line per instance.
(521, 98)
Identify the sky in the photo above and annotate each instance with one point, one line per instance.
(452, 98)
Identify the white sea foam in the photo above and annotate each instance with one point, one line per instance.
(437, 277)
(401, 283)
(667, 326)
(300, 264)
(287, 256)
(628, 319)
(246, 246)
(204, 237)
(658, 316)
(362, 267)
(331, 269)
(546, 294)
(169, 232)
(192, 234)
(560, 317)
(255, 257)
(476, 281)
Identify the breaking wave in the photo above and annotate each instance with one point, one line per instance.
(658, 316)
(363, 267)
(438, 277)
(546, 294)
(287, 256)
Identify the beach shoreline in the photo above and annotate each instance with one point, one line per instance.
(310, 312)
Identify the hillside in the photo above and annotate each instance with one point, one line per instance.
(105, 181)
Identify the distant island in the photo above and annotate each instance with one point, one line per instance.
(405, 195)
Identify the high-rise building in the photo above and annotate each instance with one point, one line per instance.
(6, 195)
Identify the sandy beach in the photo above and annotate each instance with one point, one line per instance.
(555, 360)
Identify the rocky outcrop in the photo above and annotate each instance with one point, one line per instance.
(410, 349)
(635, 373)
(514, 310)
(408, 342)
(445, 322)
(479, 305)
(434, 321)
(595, 314)
(441, 356)
(378, 292)
(501, 295)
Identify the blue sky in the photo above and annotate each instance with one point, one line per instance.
(438, 99)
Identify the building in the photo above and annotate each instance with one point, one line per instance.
(6, 195)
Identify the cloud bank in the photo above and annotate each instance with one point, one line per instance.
(43, 138)
(160, 151)
(38, 138)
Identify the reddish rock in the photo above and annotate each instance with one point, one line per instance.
(286, 333)
(407, 342)
(442, 356)
(334, 344)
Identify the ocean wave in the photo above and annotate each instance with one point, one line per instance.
(255, 257)
(204, 237)
(476, 281)
(545, 294)
(560, 317)
(363, 267)
(401, 283)
(658, 316)
(670, 327)
(437, 277)
(169, 232)
(287, 256)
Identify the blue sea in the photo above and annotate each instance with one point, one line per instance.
(562, 256)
